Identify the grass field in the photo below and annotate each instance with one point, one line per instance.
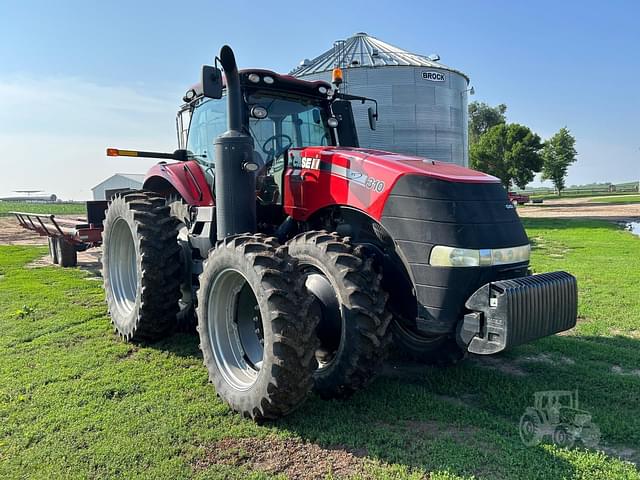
(56, 208)
(570, 195)
(618, 199)
(75, 402)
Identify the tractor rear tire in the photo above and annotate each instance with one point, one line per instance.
(440, 351)
(256, 335)
(141, 266)
(66, 253)
(53, 249)
(348, 298)
(186, 318)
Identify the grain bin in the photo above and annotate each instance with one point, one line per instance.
(422, 103)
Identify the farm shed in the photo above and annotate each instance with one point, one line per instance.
(119, 181)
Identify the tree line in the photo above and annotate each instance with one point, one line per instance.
(514, 153)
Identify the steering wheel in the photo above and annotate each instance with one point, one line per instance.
(271, 153)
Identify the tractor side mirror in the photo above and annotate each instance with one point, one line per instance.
(373, 118)
(211, 82)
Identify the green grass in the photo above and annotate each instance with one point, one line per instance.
(618, 199)
(55, 208)
(75, 402)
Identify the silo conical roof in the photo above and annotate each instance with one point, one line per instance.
(363, 50)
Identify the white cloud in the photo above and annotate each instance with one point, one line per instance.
(54, 132)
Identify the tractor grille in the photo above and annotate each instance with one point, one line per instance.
(422, 212)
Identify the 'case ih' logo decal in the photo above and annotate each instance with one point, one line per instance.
(304, 162)
(352, 176)
(311, 163)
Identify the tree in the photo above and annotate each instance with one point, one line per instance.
(482, 117)
(557, 154)
(510, 152)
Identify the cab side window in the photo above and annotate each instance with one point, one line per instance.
(208, 121)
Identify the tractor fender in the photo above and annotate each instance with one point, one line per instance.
(186, 178)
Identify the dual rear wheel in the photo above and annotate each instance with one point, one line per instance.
(141, 266)
(348, 299)
(256, 336)
(276, 320)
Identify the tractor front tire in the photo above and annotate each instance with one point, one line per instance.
(66, 254)
(141, 266)
(256, 335)
(348, 298)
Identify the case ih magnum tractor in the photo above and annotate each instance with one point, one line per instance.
(304, 256)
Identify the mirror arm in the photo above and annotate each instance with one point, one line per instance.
(179, 155)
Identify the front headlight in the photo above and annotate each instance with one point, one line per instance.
(443, 256)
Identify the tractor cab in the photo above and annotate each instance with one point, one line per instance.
(279, 112)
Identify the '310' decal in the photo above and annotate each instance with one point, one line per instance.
(375, 185)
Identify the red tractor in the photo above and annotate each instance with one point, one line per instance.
(303, 255)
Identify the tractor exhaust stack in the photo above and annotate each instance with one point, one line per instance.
(235, 183)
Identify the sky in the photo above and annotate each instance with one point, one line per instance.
(79, 76)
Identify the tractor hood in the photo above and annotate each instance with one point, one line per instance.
(363, 178)
(399, 164)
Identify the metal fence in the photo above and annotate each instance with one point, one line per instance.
(594, 190)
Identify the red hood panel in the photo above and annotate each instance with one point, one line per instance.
(321, 177)
(404, 164)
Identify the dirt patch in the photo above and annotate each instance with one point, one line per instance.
(548, 359)
(632, 333)
(584, 208)
(618, 370)
(294, 458)
(624, 453)
(11, 233)
(88, 260)
(496, 363)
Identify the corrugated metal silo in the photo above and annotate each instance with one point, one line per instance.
(422, 103)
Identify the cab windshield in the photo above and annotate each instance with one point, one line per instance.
(289, 123)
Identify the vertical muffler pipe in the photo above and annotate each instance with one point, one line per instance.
(235, 187)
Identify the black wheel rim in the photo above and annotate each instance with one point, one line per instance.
(326, 306)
